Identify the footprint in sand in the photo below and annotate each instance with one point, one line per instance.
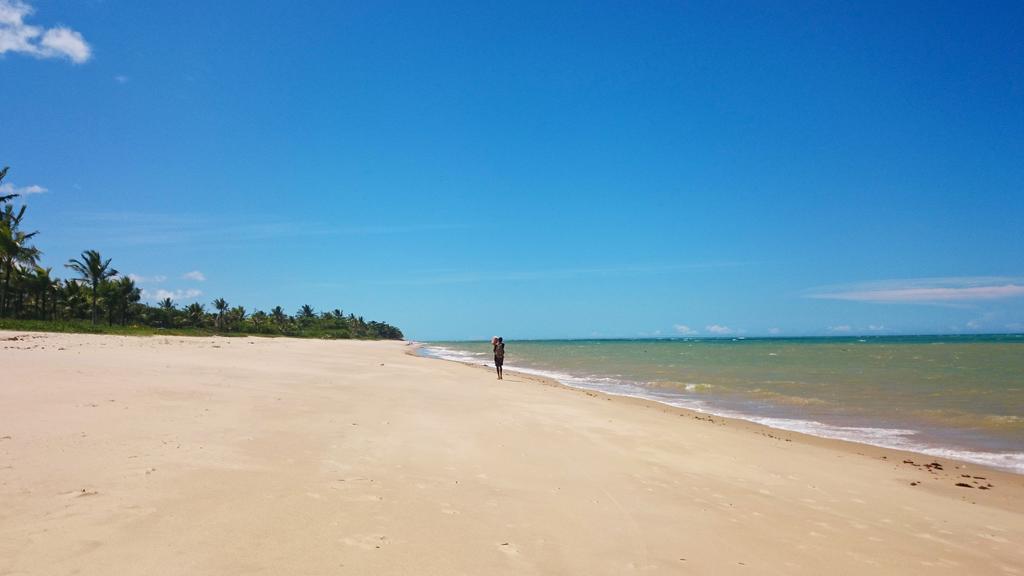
(362, 498)
(509, 549)
(366, 541)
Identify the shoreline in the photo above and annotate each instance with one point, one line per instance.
(164, 455)
(903, 460)
(806, 427)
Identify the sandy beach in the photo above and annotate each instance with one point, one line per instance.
(169, 455)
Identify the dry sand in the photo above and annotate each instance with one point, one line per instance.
(124, 455)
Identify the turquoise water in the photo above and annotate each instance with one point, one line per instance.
(953, 396)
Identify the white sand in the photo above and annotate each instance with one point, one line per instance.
(123, 455)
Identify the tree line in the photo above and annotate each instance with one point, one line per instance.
(98, 293)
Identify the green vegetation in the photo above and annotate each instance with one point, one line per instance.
(32, 299)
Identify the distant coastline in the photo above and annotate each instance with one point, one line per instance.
(99, 299)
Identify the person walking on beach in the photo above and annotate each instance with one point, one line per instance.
(499, 354)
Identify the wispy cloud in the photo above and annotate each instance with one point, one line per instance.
(194, 275)
(842, 328)
(136, 228)
(10, 188)
(984, 321)
(121, 79)
(925, 290)
(19, 37)
(158, 279)
(718, 329)
(465, 277)
(774, 331)
(684, 329)
(176, 295)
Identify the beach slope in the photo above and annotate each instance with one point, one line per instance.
(161, 455)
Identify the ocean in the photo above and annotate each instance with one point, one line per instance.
(958, 397)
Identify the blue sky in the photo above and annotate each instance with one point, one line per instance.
(566, 169)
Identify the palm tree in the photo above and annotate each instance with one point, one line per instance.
(128, 294)
(8, 197)
(41, 284)
(94, 270)
(221, 305)
(15, 252)
(236, 316)
(109, 296)
(258, 318)
(195, 312)
(54, 292)
(166, 312)
(44, 288)
(306, 315)
(279, 317)
(72, 300)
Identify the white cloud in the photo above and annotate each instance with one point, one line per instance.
(840, 328)
(684, 329)
(121, 79)
(774, 331)
(19, 37)
(717, 329)
(12, 12)
(876, 327)
(176, 295)
(927, 290)
(973, 324)
(66, 42)
(147, 279)
(194, 275)
(10, 188)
